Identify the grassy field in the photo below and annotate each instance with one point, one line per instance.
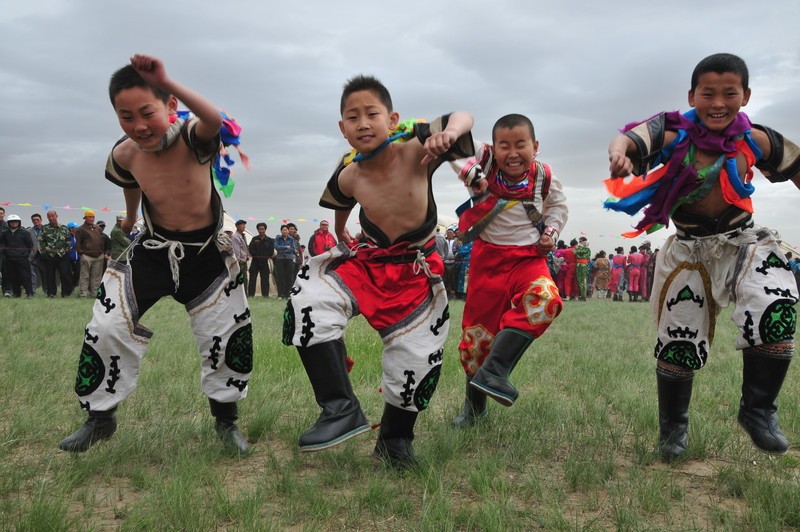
(576, 452)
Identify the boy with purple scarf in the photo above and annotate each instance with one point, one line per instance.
(703, 162)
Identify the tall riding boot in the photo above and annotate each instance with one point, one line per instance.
(762, 380)
(341, 416)
(674, 395)
(226, 415)
(99, 426)
(395, 436)
(474, 409)
(492, 377)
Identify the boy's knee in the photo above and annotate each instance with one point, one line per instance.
(784, 349)
(673, 372)
(681, 353)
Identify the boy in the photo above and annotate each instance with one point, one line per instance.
(392, 275)
(165, 162)
(512, 298)
(717, 255)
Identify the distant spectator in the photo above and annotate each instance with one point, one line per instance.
(240, 248)
(119, 241)
(298, 258)
(38, 277)
(3, 229)
(106, 243)
(449, 258)
(462, 269)
(91, 247)
(18, 247)
(602, 274)
(286, 248)
(55, 243)
(262, 249)
(74, 256)
(321, 240)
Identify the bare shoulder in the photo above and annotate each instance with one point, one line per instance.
(125, 153)
(347, 179)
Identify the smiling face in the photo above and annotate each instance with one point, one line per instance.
(514, 149)
(143, 116)
(366, 121)
(718, 98)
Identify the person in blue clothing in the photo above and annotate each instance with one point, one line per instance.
(286, 248)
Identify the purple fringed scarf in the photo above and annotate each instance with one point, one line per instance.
(680, 180)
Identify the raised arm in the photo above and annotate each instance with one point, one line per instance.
(153, 72)
(458, 124)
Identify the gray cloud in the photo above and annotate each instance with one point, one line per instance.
(580, 70)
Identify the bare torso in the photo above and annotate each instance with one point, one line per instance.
(714, 204)
(392, 188)
(178, 189)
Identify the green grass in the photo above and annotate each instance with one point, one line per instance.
(577, 450)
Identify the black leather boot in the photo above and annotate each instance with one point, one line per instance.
(762, 380)
(341, 416)
(99, 426)
(394, 445)
(474, 409)
(492, 377)
(226, 415)
(674, 396)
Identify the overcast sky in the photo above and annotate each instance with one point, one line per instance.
(580, 70)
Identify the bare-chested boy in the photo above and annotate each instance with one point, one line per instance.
(392, 276)
(165, 162)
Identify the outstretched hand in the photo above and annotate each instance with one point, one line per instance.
(437, 144)
(151, 69)
(620, 164)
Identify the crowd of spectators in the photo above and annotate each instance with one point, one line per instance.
(52, 255)
(46, 256)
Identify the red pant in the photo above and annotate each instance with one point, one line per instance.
(509, 287)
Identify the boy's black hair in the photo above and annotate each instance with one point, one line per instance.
(366, 83)
(127, 78)
(513, 120)
(720, 64)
